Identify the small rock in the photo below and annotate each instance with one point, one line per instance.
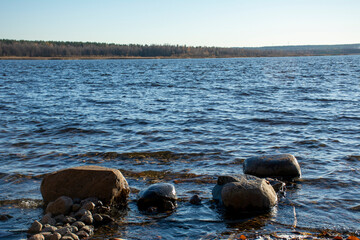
(81, 213)
(61, 205)
(60, 218)
(46, 235)
(38, 236)
(281, 165)
(97, 218)
(67, 238)
(47, 219)
(88, 206)
(75, 207)
(68, 219)
(55, 236)
(50, 229)
(87, 218)
(88, 229)
(72, 235)
(106, 219)
(64, 230)
(36, 227)
(278, 186)
(196, 200)
(74, 229)
(159, 195)
(78, 224)
(5, 217)
(82, 234)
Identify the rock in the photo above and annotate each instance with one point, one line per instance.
(107, 219)
(88, 229)
(81, 213)
(38, 236)
(5, 217)
(50, 229)
(75, 207)
(278, 186)
(68, 219)
(87, 218)
(78, 224)
(196, 200)
(60, 218)
(97, 218)
(281, 165)
(67, 238)
(47, 219)
(248, 195)
(46, 235)
(62, 205)
(88, 206)
(221, 181)
(107, 184)
(63, 230)
(82, 234)
(36, 227)
(55, 236)
(72, 235)
(159, 195)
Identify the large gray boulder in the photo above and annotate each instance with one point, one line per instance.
(106, 184)
(159, 196)
(244, 193)
(280, 165)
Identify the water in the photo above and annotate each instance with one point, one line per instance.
(185, 122)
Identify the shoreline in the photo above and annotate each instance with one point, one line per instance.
(158, 57)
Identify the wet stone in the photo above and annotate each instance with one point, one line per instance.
(88, 229)
(97, 218)
(5, 217)
(159, 195)
(248, 195)
(283, 166)
(196, 200)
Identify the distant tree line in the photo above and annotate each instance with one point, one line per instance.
(22, 48)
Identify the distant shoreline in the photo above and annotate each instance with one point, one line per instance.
(159, 57)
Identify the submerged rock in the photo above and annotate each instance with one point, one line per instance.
(106, 184)
(159, 196)
(244, 193)
(280, 165)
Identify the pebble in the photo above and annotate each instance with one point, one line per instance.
(82, 234)
(47, 219)
(37, 237)
(72, 235)
(78, 224)
(88, 206)
(55, 236)
(49, 229)
(87, 218)
(36, 227)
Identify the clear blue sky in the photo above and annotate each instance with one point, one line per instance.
(223, 23)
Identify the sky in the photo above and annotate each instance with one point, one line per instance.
(221, 23)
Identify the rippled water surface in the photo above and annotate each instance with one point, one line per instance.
(185, 122)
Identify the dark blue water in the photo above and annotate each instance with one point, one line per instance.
(185, 122)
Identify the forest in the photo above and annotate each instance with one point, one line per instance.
(58, 49)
